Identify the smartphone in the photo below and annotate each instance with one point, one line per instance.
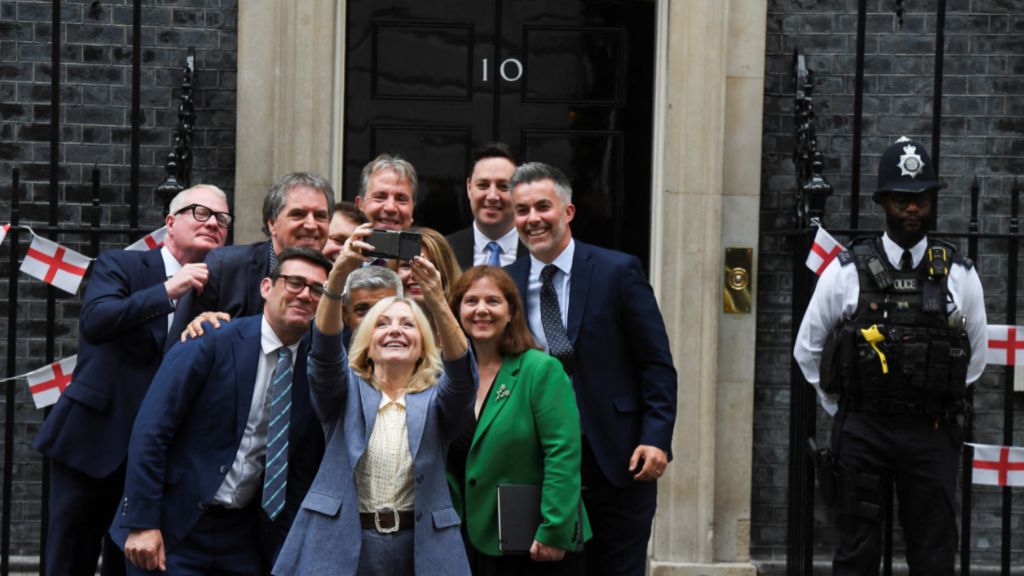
(401, 245)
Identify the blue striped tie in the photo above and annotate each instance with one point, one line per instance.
(275, 474)
(494, 254)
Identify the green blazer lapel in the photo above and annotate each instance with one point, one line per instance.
(507, 377)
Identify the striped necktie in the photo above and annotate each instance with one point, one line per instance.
(494, 254)
(551, 320)
(279, 398)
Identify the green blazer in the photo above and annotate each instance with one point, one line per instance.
(528, 433)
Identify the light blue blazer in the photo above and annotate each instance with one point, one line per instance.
(326, 536)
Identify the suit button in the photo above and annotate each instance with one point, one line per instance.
(223, 469)
(472, 481)
(419, 479)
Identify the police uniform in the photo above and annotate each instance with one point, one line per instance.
(886, 341)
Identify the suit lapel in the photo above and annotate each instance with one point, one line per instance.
(301, 409)
(579, 284)
(507, 377)
(154, 273)
(371, 403)
(416, 417)
(247, 356)
(520, 272)
(258, 271)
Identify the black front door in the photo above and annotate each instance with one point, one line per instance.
(569, 83)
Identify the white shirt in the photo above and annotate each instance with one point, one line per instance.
(561, 282)
(836, 296)
(384, 475)
(509, 246)
(243, 480)
(171, 267)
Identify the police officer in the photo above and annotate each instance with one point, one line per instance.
(887, 342)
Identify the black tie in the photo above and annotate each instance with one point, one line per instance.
(551, 319)
(907, 261)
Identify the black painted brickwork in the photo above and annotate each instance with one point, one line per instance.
(95, 131)
(982, 135)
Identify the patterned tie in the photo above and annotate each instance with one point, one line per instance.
(271, 261)
(551, 319)
(907, 261)
(279, 397)
(494, 253)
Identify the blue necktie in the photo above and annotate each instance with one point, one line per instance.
(551, 320)
(279, 397)
(494, 256)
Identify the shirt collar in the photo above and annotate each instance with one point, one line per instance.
(385, 400)
(894, 252)
(269, 342)
(171, 265)
(508, 242)
(563, 261)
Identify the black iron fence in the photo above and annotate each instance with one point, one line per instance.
(999, 248)
(86, 235)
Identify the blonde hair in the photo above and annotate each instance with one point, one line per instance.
(428, 368)
(440, 254)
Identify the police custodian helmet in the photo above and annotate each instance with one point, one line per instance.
(906, 167)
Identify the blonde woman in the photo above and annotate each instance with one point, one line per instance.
(380, 503)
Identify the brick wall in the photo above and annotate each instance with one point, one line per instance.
(95, 115)
(982, 135)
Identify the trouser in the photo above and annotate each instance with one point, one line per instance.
(921, 456)
(620, 518)
(223, 542)
(80, 511)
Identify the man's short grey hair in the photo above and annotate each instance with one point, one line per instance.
(371, 278)
(180, 200)
(274, 201)
(536, 171)
(400, 166)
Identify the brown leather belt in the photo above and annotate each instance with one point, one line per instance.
(386, 521)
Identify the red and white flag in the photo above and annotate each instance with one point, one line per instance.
(55, 264)
(49, 382)
(823, 251)
(154, 239)
(998, 465)
(1005, 345)
(3, 232)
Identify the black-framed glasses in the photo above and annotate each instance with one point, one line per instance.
(295, 285)
(922, 200)
(202, 214)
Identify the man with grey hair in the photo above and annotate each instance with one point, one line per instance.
(363, 288)
(387, 192)
(594, 310)
(129, 300)
(296, 212)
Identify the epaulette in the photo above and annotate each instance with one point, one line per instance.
(962, 260)
(845, 257)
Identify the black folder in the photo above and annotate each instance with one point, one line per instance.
(519, 518)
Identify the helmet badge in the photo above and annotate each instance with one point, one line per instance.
(910, 162)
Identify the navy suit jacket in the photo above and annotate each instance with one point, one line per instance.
(190, 427)
(462, 242)
(624, 377)
(233, 285)
(122, 329)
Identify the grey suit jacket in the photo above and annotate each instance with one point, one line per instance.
(325, 537)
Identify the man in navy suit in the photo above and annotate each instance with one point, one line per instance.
(122, 329)
(594, 310)
(215, 451)
(491, 239)
(296, 212)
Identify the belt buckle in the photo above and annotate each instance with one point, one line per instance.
(376, 521)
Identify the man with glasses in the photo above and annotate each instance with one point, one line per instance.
(893, 335)
(220, 446)
(296, 212)
(129, 303)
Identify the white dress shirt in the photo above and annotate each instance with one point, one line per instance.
(561, 281)
(171, 267)
(243, 480)
(509, 246)
(835, 299)
(384, 475)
